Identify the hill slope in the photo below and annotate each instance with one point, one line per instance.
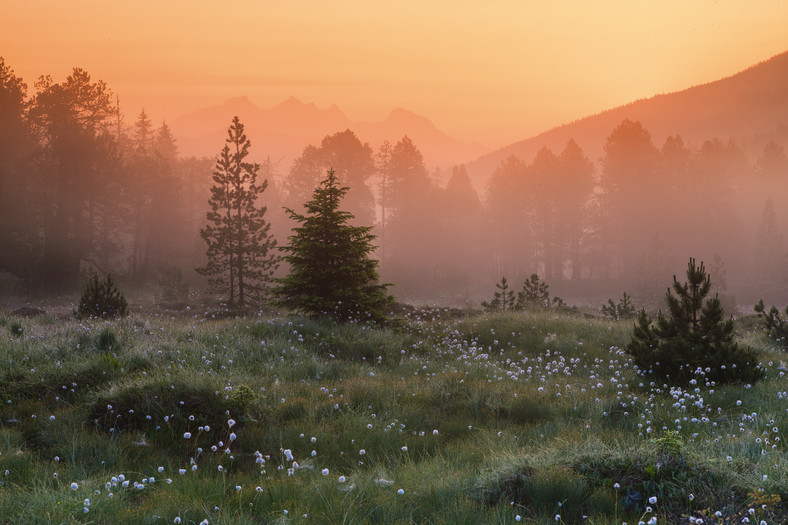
(743, 106)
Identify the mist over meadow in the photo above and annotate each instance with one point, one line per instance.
(272, 315)
(87, 185)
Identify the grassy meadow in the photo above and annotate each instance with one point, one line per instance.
(447, 417)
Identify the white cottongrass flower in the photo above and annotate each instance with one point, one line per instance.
(288, 454)
(74, 486)
(652, 500)
(187, 435)
(324, 472)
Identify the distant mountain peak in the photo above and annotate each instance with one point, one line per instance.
(240, 102)
(286, 128)
(403, 117)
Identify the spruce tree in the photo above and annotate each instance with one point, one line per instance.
(535, 294)
(331, 272)
(503, 299)
(622, 310)
(694, 341)
(240, 253)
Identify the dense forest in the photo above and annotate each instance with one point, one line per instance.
(83, 187)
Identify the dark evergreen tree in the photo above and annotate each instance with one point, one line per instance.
(240, 253)
(535, 294)
(694, 341)
(621, 310)
(503, 299)
(775, 324)
(101, 298)
(331, 272)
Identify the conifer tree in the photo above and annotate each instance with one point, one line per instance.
(534, 293)
(331, 272)
(622, 310)
(503, 299)
(694, 340)
(240, 253)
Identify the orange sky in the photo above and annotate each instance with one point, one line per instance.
(494, 71)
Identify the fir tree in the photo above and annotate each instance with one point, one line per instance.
(622, 310)
(331, 272)
(503, 299)
(241, 261)
(775, 324)
(694, 339)
(101, 298)
(535, 294)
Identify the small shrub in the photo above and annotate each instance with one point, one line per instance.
(621, 310)
(695, 338)
(776, 326)
(240, 398)
(502, 299)
(102, 298)
(535, 294)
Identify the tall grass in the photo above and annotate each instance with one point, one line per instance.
(448, 417)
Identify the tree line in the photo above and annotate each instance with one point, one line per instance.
(82, 189)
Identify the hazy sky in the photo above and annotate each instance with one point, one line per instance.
(493, 71)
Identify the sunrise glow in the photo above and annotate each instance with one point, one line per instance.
(492, 72)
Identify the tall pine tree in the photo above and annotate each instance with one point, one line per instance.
(331, 273)
(241, 260)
